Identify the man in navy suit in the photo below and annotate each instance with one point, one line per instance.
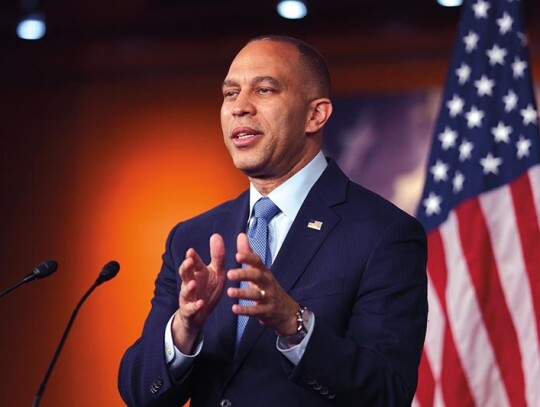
(339, 316)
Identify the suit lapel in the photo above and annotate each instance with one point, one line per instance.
(229, 226)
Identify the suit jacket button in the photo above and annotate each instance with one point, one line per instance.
(225, 403)
(156, 385)
(311, 380)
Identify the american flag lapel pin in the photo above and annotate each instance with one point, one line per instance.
(315, 224)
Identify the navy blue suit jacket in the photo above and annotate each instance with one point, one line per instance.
(363, 276)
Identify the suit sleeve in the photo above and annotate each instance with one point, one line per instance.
(144, 378)
(376, 361)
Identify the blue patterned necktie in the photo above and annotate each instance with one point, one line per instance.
(263, 212)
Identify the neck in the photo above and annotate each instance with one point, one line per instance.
(265, 185)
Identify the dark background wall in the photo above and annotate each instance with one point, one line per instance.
(110, 134)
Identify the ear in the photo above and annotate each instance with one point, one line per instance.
(319, 113)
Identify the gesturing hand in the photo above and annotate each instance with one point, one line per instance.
(202, 287)
(274, 308)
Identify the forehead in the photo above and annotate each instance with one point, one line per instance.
(265, 58)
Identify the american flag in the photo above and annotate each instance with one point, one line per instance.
(481, 209)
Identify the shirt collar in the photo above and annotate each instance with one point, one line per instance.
(290, 195)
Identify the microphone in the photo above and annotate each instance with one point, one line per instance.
(45, 269)
(109, 271)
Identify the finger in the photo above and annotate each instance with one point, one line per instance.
(249, 310)
(244, 253)
(199, 264)
(187, 268)
(252, 293)
(242, 244)
(254, 275)
(217, 253)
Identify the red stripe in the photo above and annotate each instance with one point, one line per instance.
(455, 389)
(477, 250)
(426, 384)
(529, 235)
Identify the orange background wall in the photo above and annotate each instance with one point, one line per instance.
(103, 149)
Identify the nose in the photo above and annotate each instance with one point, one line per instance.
(243, 105)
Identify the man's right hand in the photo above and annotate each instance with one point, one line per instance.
(202, 287)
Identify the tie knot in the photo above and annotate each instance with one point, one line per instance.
(265, 208)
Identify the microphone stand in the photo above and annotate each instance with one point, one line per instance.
(37, 398)
(9, 289)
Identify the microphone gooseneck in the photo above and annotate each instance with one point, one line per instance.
(45, 269)
(108, 271)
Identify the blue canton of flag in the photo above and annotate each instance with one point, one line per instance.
(487, 131)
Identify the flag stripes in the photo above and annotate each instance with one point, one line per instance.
(481, 347)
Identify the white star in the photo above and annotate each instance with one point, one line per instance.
(458, 181)
(490, 164)
(432, 204)
(463, 73)
(518, 67)
(529, 115)
(471, 41)
(455, 105)
(484, 86)
(523, 146)
(510, 101)
(465, 149)
(439, 171)
(448, 138)
(480, 9)
(505, 23)
(501, 132)
(474, 117)
(496, 55)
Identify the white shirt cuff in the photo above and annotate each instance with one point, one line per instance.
(178, 362)
(295, 353)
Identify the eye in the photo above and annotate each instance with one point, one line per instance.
(230, 93)
(265, 91)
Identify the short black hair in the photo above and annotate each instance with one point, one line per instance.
(312, 60)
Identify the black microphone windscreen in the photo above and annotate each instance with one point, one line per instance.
(45, 269)
(109, 270)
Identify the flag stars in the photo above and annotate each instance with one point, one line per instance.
(501, 133)
(458, 181)
(510, 101)
(463, 73)
(481, 8)
(490, 164)
(518, 68)
(455, 105)
(496, 55)
(529, 115)
(471, 41)
(523, 145)
(505, 23)
(465, 150)
(484, 86)
(432, 204)
(439, 171)
(474, 117)
(448, 138)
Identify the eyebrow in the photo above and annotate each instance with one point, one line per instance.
(257, 80)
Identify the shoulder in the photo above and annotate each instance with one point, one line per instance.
(356, 204)
(206, 221)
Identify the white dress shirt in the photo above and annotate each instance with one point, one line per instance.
(288, 197)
